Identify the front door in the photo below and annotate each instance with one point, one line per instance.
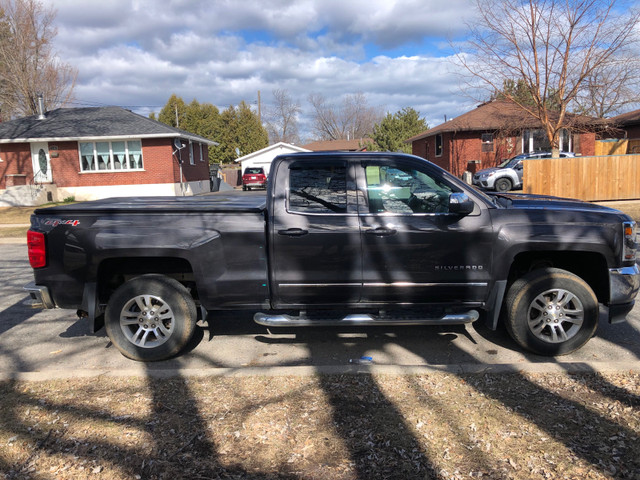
(414, 250)
(41, 162)
(315, 249)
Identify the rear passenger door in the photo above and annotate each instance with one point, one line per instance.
(315, 238)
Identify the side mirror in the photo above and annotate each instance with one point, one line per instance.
(460, 204)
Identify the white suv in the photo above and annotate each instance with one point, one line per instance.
(508, 175)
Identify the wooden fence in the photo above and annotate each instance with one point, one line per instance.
(612, 177)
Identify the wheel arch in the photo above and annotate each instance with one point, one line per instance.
(113, 272)
(590, 266)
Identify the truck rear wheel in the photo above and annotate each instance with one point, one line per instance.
(503, 185)
(551, 312)
(150, 318)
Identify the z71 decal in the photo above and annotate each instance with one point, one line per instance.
(56, 221)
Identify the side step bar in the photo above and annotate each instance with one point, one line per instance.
(364, 319)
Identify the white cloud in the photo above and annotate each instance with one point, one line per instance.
(137, 53)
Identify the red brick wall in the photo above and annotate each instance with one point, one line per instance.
(16, 159)
(586, 144)
(458, 149)
(192, 173)
(467, 148)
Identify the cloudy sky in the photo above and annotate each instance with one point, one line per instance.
(136, 53)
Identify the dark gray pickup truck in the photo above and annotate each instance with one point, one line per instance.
(339, 239)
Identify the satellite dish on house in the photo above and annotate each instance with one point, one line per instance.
(177, 143)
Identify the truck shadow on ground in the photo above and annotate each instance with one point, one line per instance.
(378, 438)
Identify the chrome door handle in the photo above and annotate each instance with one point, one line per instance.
(381, 232)
(293, 232)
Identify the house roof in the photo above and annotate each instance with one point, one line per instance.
(356, 145)
(281, 146)
(495, 115)
(629, 118)
(89, 123)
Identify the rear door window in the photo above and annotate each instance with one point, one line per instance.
(318, 189)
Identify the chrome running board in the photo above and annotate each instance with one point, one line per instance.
(364, 319)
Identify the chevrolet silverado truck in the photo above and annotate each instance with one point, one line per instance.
(338, 239)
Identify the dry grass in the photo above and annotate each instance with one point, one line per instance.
(17, 216)
(439, 426)
(9, 215)
(14, 232)
(631, 208)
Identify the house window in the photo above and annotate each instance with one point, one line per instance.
(487, 142)
(438, 145)
(108, 156)
(537, 141)
(191, 159)
(201, 154)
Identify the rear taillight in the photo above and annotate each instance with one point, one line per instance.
(37, 249)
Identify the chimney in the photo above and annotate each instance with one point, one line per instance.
(40, 107)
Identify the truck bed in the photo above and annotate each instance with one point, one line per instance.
(222, 202)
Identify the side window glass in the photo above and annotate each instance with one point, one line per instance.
(317, 189)
(405, 191)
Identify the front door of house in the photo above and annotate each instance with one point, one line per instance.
(41, 162)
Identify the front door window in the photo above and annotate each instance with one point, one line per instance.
(405, 191)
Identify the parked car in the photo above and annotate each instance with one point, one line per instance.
(254, 177)
(508, 175)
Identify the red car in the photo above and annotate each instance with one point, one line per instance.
(254, 177)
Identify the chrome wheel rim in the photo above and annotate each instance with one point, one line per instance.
(147, 321)
(555, 316)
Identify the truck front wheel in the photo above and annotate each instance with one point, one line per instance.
(151, 317)
(551, 312)
(503, 185)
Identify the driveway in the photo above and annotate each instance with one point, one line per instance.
(55, 343)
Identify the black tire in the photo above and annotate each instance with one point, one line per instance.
(244, 188)
(551, 312)
(150, 318)
(503, 185)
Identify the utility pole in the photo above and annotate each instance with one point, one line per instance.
(259, 108)
(175, 106)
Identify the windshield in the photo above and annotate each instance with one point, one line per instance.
(253, 171)
(512, 162)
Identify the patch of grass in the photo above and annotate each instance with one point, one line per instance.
(13, 232)
(513, 426)
(22, 215)
(10, 215)
(631, 207)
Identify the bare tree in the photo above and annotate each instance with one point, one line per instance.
(353, 118)
(281, 119)
(611, 89)
(28, 64)
(554, 46)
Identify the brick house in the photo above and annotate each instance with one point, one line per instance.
(357, 145)
(91, 153)
(627, 127)
(490, 133)
(628, 123)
